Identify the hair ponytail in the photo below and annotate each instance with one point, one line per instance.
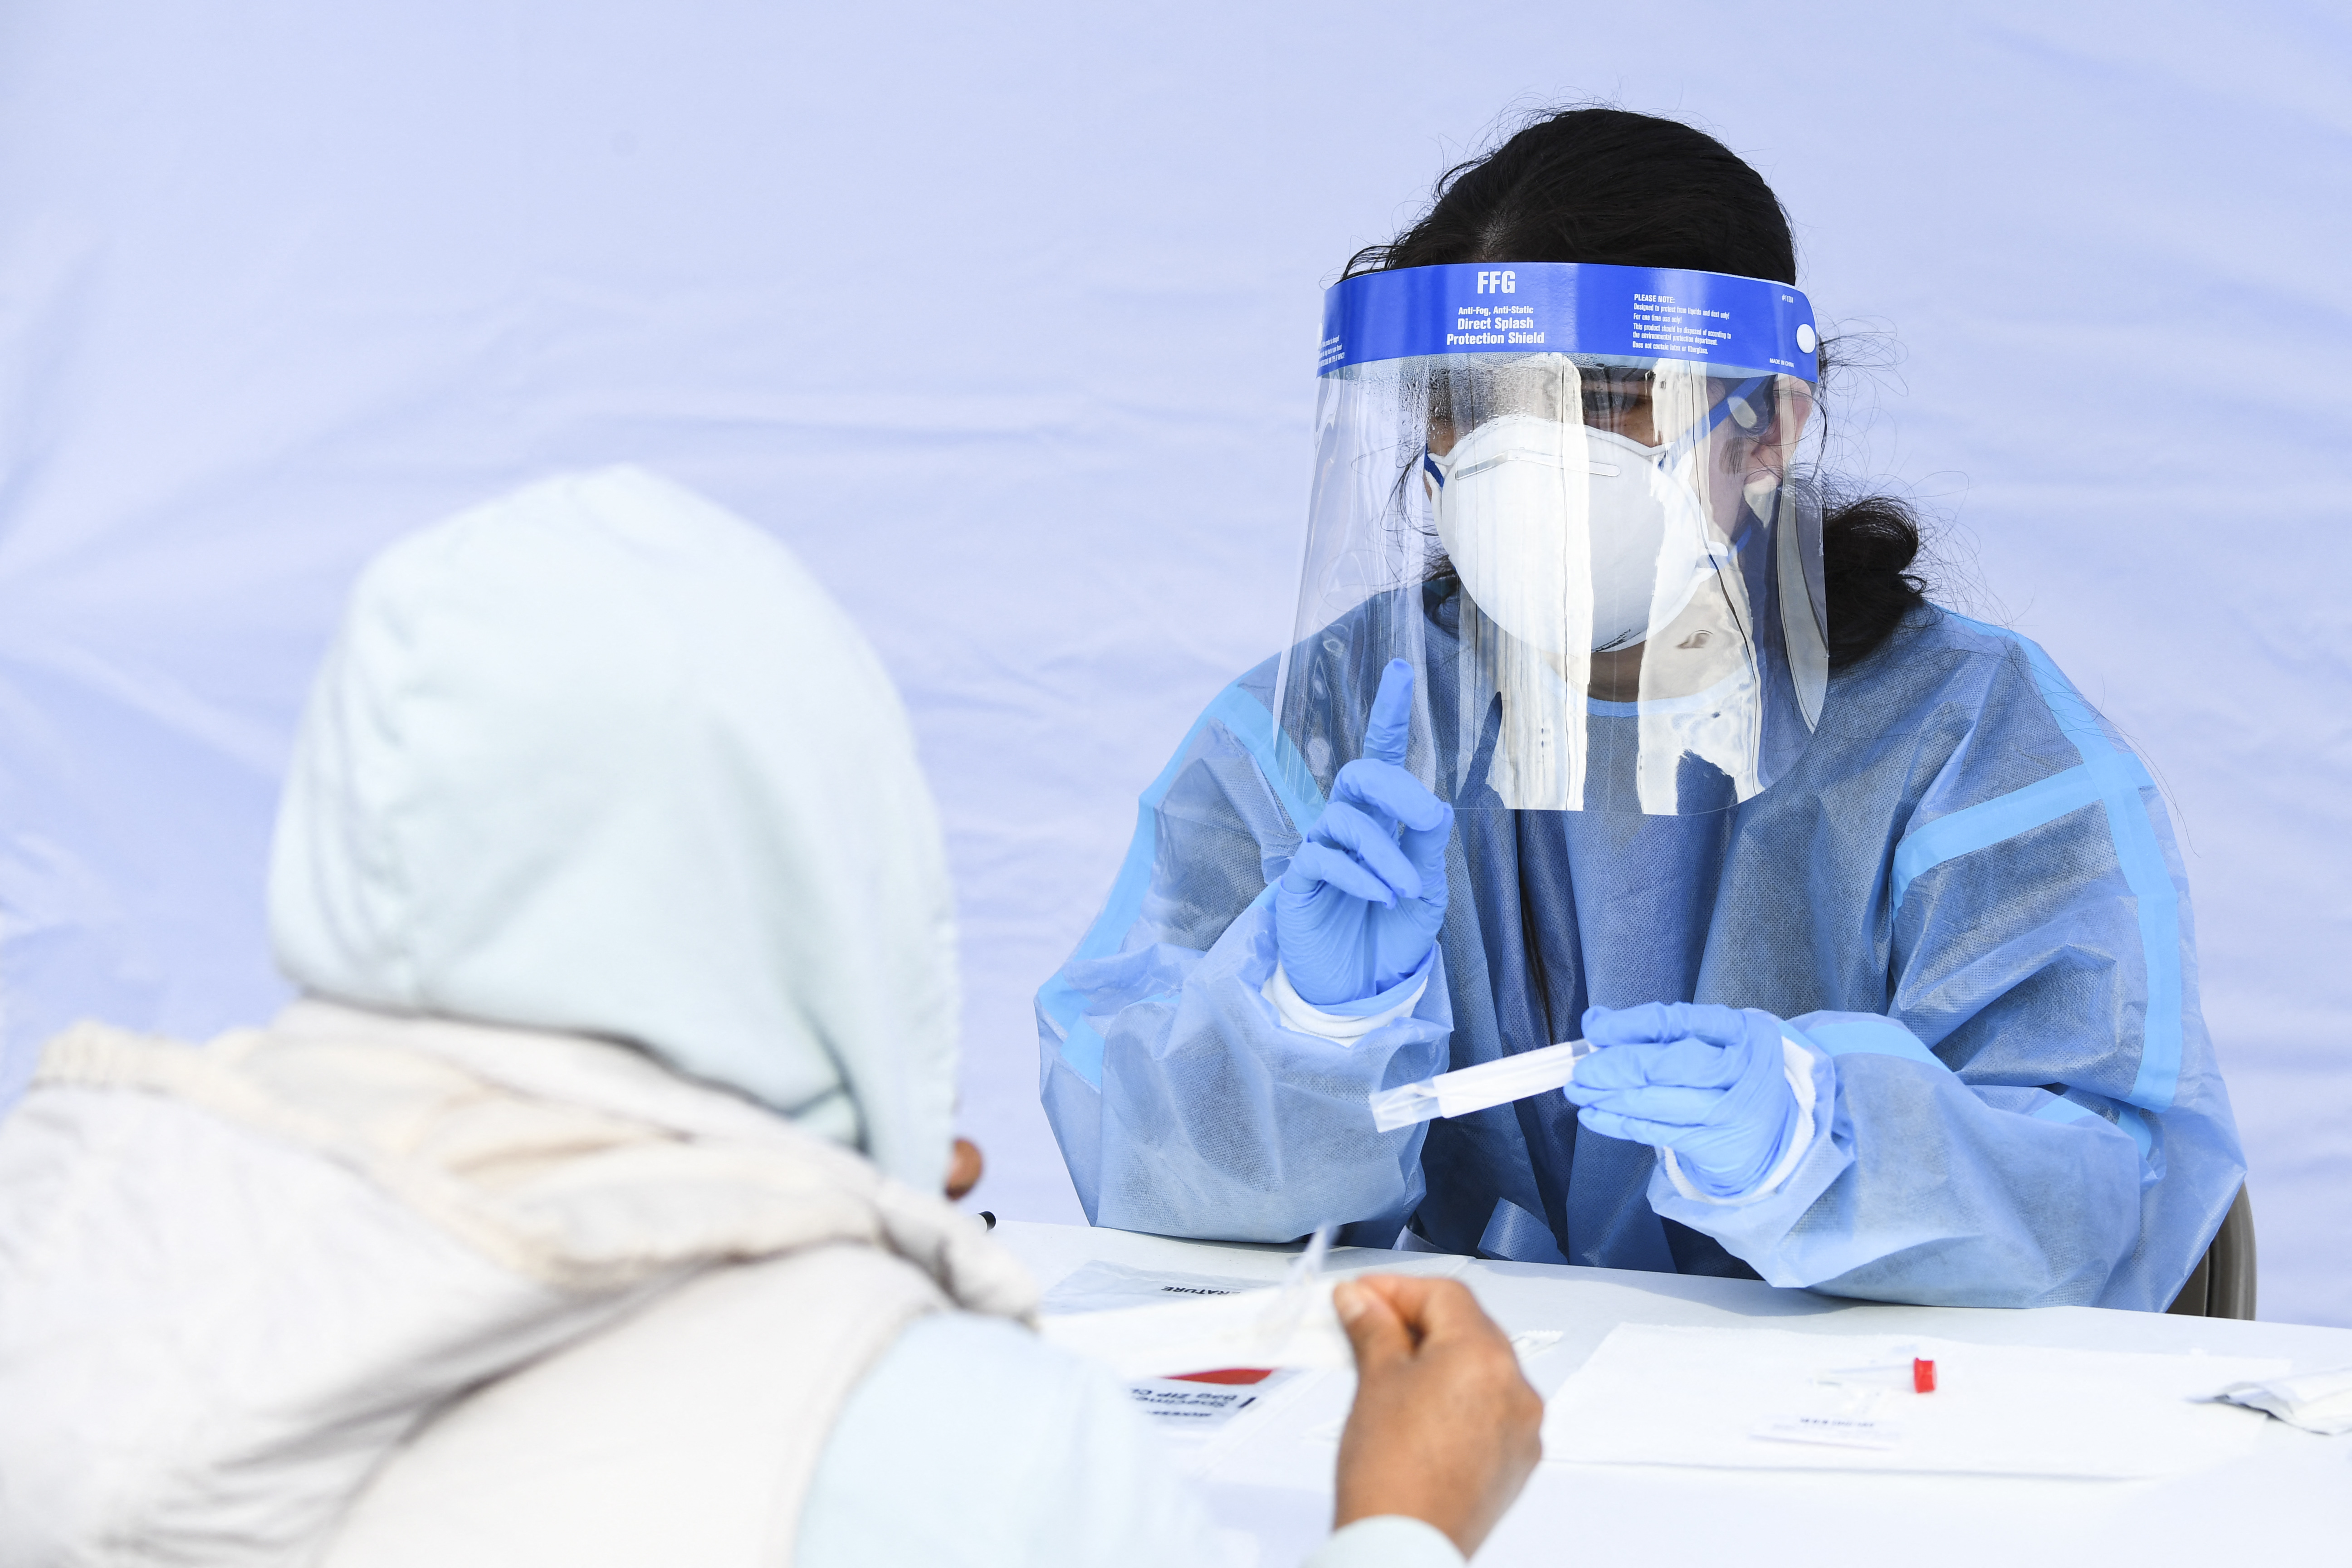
(1868, 545)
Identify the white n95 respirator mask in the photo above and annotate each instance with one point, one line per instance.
(1566, 536)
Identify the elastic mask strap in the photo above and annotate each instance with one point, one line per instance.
(1744, 395)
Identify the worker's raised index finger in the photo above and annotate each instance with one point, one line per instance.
(1385, 786)
(1391, 721)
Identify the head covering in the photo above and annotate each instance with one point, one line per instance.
(602, 757)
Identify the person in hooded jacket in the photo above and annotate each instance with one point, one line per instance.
(584, 1210)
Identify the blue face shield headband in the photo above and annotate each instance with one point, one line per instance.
(1737, 327)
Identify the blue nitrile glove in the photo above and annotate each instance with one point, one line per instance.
(1708, 1082)
(1360, 905)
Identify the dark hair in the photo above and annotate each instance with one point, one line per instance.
(1631, 190)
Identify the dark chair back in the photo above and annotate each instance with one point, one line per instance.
(2223, 1284)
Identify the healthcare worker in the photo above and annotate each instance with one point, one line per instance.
(582, 1212)
(1601, 718)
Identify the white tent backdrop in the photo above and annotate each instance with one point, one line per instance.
(1004, 318)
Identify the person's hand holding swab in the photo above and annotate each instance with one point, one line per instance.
(1444, 1428)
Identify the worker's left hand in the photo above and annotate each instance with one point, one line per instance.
(1708, 1082)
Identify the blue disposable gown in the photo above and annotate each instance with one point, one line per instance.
(1964, 896)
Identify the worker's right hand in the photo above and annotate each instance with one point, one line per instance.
(1360, 908)
(1444, 1428)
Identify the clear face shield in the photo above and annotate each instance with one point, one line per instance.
(1561, 494)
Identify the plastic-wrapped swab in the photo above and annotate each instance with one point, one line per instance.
(1474, 1088)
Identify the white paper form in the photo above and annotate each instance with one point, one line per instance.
(1173, 1322)
(1103, 1287)
(1766, 1399)
(1292, 1324)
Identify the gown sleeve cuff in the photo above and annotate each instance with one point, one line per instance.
(1797, 1062)
(1387, 1540)
(1353, 1020)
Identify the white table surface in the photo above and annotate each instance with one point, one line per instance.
(2288, 1500)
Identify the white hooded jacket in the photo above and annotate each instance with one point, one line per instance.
(595, 763)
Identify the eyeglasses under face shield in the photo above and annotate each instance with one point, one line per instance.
(1563, 494)
(1624, 401)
